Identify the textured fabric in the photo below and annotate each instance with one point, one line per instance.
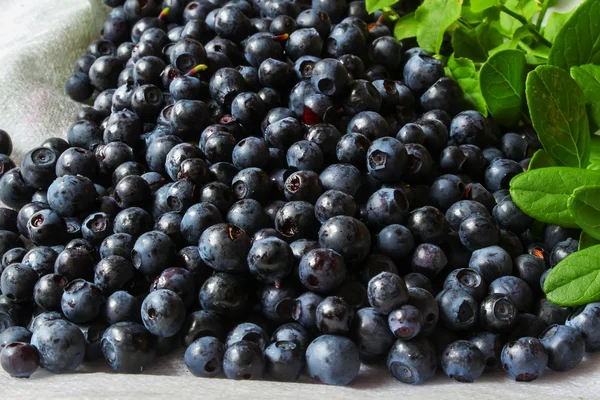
(39, 41)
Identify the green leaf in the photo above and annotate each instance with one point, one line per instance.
(594, 154)
(541, 159)
(406, 27)
(544, 193)
(558, 115)
(464, 72)
(588, 77)
(476, 43)
(521, 33)
(554, 22)
(502, 81)
(578, 41)
(507, 24)
(434, 17)
(576, 279)
(584, 206)
(375, 5)
(480, 5)
(586, 241)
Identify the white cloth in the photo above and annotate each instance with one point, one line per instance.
(39, 41)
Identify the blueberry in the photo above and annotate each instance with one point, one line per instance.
(303, 186)
(163, 313)
(333, 203)
(14, 191)
(562, 250)
(427, 305)
(121, 307)
(128, 347)
(113, 273)
(343, 177)
(386, 207)
(497, 313)
(439, 96)
(20, 360)
(491, 262)
(515, 288)
(270, 260)
(14, 334)
(463, 361)
(243, 360)
(48, 291)
(117, 244)
(333, 360)
(463, 209)
(347, 236)
(70, 195)
(428, 224)
(509, 216)
(420, 72)
(81, 301)
(428, 259)
(490, 346)
(334, 316)
(499, 173)
(405, 322)
(478, 231)
(524, 359)
(395, 241)
(224, 247)
(284, 361)
(225, 294)
(412, 361)
(204, 357)
(133, 221)
(18, 281)
(61, 345)
(552, 314)
(277, 303)
(305, 309)
(467, 280)
(585, 320)
(296, 220)
(13, 256)
(152, 253)
(250, 332)
(565, 347)
(387, 291)
(6, 145)
(352, 149)
(292, 332)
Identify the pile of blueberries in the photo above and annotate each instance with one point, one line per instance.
(281, 187)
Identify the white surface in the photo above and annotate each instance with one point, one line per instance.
(39, 40)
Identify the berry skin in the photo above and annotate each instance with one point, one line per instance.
(515, 288)
(121, 307)
(14, 334)
(467, 280)
(128, 347)
(19, 359)
(224, 247)
(17, 282)
(81, 301)
(6, 145)
(112, 273)
(163, 313)
(250, 332)
(386, 292)
(243, 360)
(497, 313)
(462, 361)
(305, 309)
(524, 359)
(333, 203)
(412, 361)
(204, 357)
(427, 304)
(428, 224)
(284, 361)
(491, 263)
(152, 253)
(585, 319)
(458, 310)
(387, 159)
(405, 322)
(478, 231)
(60, 344)
(395, 241)
(70, 195)
(334, 316)
(386, 207)
(38, 167)
(551, 313)
(224, 294)
(490, 345)
(347, 236)
(565, 347)
(270, 260)
(428, 259)
(420, 72)
(371, 333)
(333, 360)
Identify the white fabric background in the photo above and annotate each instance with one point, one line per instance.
(39, 40)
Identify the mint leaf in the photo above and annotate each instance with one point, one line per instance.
(554, 22)
(576, 279)
(464, 72)
(588, 77)
(476, 43)
(586, 241)
(374, 5)
(480, 5)
(406, 27)
(502, 81)
(558, 115)
(434, 17)
(541, 159)
(584, 206)
(578, 41)
(544, 193)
